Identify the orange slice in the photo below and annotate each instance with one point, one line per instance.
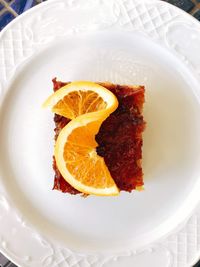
(77, 98)
(87, 105)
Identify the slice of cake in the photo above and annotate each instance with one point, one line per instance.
(119, 139)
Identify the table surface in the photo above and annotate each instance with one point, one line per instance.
(10, 9)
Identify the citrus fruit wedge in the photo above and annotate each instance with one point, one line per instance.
(87, 105)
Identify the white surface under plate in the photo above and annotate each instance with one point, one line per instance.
(123, 41)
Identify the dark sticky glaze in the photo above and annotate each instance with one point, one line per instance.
(119, 139)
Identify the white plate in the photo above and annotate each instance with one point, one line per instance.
(132, 41)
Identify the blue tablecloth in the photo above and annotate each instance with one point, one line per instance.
(9, 9)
